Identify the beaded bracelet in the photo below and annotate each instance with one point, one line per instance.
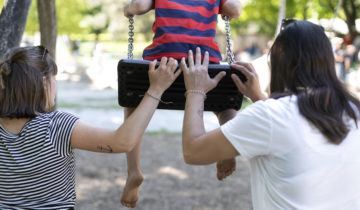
(196, 91)
(159, 99)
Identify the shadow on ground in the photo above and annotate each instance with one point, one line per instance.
(169, 183)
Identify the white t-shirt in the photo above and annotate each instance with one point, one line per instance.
(292, 164)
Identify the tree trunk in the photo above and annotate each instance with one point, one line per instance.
(48, 25)
(281, 16)
(12, 23)
(351, 16)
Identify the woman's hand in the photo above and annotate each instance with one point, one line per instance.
(162, 77)
(251, 87)
(196, 75)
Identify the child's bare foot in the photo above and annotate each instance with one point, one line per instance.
(225, 168)
(130, 194)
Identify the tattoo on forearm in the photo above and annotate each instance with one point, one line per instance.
(200, 112)
(106, 149)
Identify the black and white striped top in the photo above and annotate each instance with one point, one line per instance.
(37, 167)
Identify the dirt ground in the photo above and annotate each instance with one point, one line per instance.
(169, 183)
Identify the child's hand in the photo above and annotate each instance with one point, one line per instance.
(196, 76)
(138, 7)
(231, 8)
(162, 77)
(250, 88)
(127, 11)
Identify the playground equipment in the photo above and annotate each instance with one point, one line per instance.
(133, 82)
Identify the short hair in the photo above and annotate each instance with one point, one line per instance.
(22, 91)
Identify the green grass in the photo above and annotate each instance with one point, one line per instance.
(246, 102)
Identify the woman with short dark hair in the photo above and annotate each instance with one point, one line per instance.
(302, 143)
(37, 167)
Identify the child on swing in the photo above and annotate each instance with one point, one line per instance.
(180, 26)
(36, 143)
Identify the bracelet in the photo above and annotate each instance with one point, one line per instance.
(196, 91)
(158, 99)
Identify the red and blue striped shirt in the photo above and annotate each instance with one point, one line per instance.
(181, 25)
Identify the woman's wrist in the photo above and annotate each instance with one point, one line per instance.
(259, 97)
(155, 92)
(194, 91)
(156, 95)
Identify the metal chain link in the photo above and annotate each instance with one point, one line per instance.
(230, 54)
(131, 38)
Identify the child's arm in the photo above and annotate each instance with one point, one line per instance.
(124, 138)
(231, 8)
(138, 7)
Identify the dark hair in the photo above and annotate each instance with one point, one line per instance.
(302, 63)
(22, 92)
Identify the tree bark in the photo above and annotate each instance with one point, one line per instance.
(12, 23)
(351, 16)
(48, 25)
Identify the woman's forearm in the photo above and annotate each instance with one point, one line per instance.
(133, 128)
(193, 125)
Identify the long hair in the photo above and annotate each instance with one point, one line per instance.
(22, 92)
(302, 64)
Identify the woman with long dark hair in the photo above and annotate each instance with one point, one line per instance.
(302, 143)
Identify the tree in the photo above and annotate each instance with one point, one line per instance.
(12, 23)
(350, 8)
(96, 19)
(348, 12)
(69, 14)
(48, 25)
(281, 16)
(259, 15)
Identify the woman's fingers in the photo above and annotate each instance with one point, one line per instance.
(249, 66)
(239, 84)
(174, 67)
(163, 63)
(177, 73)
(152, 65)
(190, 59)
(219, 77)
(206, 58)
(198, 57)
(247, 73)
(173, 64)
(183, 65)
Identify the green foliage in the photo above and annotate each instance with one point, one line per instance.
(262, 14)
(259, 14)
(69, 15)
(32, 23)
(326, 8)
(106, 16)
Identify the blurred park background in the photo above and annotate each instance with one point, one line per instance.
(91, 36)
(87, 38)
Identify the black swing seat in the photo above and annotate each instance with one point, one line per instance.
(133, 82)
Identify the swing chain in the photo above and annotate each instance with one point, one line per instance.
(131, 38)
(230, 54)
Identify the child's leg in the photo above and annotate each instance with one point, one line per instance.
(131, 191)
(225, 167)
